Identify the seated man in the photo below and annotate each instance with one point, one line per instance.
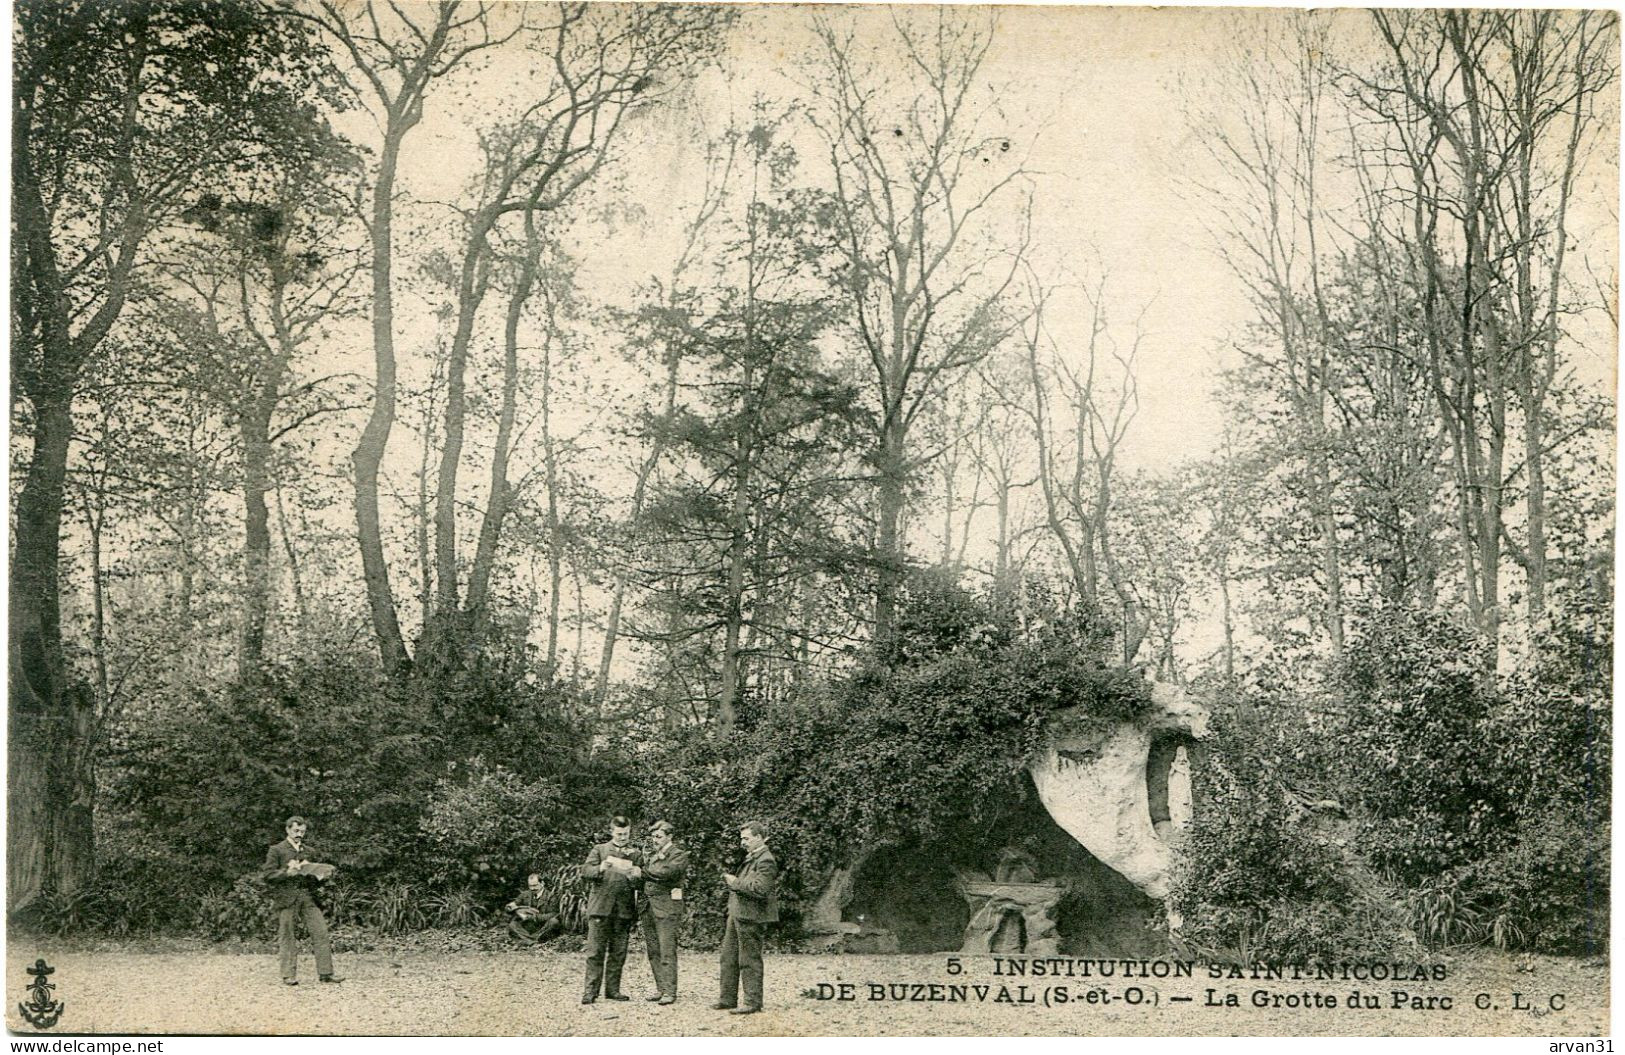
(532, 922)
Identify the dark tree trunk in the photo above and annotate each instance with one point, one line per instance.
(50, 783)
(48, 843)
(255, 429)
(369, 452)
(496, 509)
(888, 536)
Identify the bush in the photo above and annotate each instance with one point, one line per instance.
(1262, 875)
(1417, 754)
(1549, 891)
(1483, 805)
(126, 898)
(60, 914)
(451, 790)
(485, 824)
(242, 911)
(566, 894)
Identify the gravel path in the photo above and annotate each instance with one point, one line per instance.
(535, 993)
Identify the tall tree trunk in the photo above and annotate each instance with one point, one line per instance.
(1540, 370)
(255, 429)
(50, 784)
(555, 533)
(1001, 553)
(291, 551)
(422, 518)
(1480, 309)
(95, 518)
(640, 487)
(42, 708)
(580, 595)
(888, 542)
(369, 451)
(496, 509)
(1079, 557)
(738, 552)
(472, 283)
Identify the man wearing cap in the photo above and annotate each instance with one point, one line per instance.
(292, 888)
(662, 908)
(753, 902)
(612, 868)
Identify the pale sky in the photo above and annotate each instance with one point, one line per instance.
(1105, 137)
(1097, 95)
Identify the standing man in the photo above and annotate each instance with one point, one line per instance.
(663, 871)
(611, 908)
(753, 902)
(292, 870)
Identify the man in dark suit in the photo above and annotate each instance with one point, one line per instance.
(611, 909)
(753, 902)
(532, 922)
(292, 894)
(662, 908)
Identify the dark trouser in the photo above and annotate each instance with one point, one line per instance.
(288, 943)
(742, 958)
(606, 953)
(660, 938)
(536, 929)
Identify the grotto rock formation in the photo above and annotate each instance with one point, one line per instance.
(1096, 783)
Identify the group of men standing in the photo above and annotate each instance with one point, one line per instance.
(646, 885)
(629, 884)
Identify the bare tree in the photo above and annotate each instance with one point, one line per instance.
(1081, 403)
(396, 54)
(604, 64)
(1270, 230)
(918, 170)
(1490, 112)
(1003, 450)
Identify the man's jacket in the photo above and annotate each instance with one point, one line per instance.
(290, 891)
(612, 893)
(663, 872)
(754, 897)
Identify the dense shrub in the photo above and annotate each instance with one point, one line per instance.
(1482, 803)
(243, 910)
(486, 824)
(434, 799)
(1417, 753)
(1410, 794)
(1266, 870)
(1552, 736)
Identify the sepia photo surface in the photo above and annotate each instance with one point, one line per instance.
(536, 520)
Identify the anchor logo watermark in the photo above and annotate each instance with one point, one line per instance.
(41, 1010)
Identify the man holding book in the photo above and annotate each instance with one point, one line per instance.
(293, 868)
(612, 868)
